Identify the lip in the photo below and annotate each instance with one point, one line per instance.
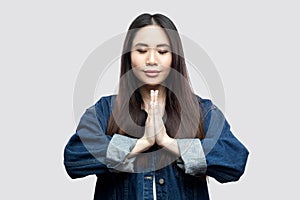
(151, 73)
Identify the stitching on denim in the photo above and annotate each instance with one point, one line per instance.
(212, 107)
(80, 163)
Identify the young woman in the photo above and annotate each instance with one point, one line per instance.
(155, 139)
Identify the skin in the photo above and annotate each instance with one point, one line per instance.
(151, 51)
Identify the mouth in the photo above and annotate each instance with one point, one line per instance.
(151, 73)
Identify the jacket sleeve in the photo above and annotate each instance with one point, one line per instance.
(219, 155)
(226, 156)
(90, 150)
(85, 152)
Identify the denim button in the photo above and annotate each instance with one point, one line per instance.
(161, 181)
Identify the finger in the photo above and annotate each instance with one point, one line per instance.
(158, 122)
(155, 104)
(156, 113)
(152, 106)
(156, 97)
(152, 97)
(149, 125)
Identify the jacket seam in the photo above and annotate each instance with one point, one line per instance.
(213, 107)
(79, 163)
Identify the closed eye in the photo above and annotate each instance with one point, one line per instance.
(142, 51)
(163, 51)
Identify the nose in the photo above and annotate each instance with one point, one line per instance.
(151, 58)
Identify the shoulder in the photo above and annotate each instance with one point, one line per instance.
(206, 105)
(105, 103)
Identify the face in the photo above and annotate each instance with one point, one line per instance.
(151, 56)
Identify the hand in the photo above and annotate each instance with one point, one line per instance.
(155, 131)
(148, 139)
(149, 134)
(161, 136)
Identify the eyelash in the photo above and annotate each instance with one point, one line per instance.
(163, 52)
(142, 51)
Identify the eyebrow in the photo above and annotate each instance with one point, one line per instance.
(146, 45)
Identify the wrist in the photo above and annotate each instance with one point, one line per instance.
(146, 142)
(167, 141)
(164, 140)
(171, 145)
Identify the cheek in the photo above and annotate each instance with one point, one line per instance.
(136, 60)
(132, 58)
(167, 61)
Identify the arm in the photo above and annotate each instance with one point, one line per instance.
(226, 156)
(90, 150)
(84, 154)
(219, 155)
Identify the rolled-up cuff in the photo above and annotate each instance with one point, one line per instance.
(118, 149)
(192, 156)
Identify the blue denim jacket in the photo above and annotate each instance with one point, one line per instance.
(91, 152)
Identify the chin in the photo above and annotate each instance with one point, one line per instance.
(152, 84)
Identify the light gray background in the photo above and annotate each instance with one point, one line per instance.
(43, 44)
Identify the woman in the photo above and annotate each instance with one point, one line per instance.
(155, 139)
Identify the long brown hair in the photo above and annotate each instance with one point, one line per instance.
(183, 117)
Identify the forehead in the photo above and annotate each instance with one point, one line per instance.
(151, 35)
